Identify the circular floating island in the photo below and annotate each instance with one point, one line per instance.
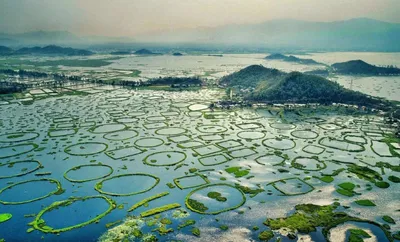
(40, 224)
(58, 190)
(18, 137)
(87, 148)
(304, 134)
(251, 135)
(121, 135)
(212, 129)
(21, 168)
(107, 128)
(279, 143)
(88, 169)
(170, 131)
(128, 181)
(214, 199)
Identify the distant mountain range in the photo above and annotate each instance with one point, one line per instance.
(356, 34)
(47, 50)
(360, 34)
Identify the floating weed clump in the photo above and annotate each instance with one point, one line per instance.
(146, 200)
(24, 171)
(5, 217)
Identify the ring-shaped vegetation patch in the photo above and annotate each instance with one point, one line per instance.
(302, 163)
(99, 186)
(382, 149)
(61, 132)
(56, 191)
(279, 185)
(211, 129)
(126, 120)
(251, 135)
(23, 171)
(121, 135)
(170, 131)
(192, 203)
(18, 137)
(124, 152)
(170, 113)
(191, 181)
(155, 125)
(87, 124)
(340, 145)
(40, 224)
(18, 149)
(304, 134)
(76, 168)
(86, 148)
(329, 126)
(107, 128)
(66, 126)
(211, 137)
(313, 149)
(356, 139)
(271, 159)
(279, 143)
(213, 160)
(63, 120)
(168, 158)
(149, 142)
(283, 126)
(156, 119)
(249, 126)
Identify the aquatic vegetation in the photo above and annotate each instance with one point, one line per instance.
(75, 168)
(199, 207)
(23, 172)
(196, 232)
(248, 190)
(365, 202)
(172, 158)
(5, 217)
(146, 200)
(358, 235)
(302, 163)
(159, 209)
(58, 190)
(193, 181)
(278, 185)
(266, 235)
(39, 224)
(86, 148)
(98, 187)
(237, 171)
(16, 150)
(388, 219)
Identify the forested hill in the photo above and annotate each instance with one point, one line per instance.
(293, 59)
(47, 50)
(272, 85)
(359, 67)
(297, 87)
(252, 76)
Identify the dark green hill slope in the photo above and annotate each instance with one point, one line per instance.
(252, 76)
(300, 88)
(359, 67)
(52, 50)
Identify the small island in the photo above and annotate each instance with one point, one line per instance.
(145, 52)
(121, 52)
(292, 59)
(359, 67)
(177, 54)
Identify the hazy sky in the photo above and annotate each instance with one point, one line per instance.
(132, 17)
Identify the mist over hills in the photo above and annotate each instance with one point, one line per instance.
(350, 35)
